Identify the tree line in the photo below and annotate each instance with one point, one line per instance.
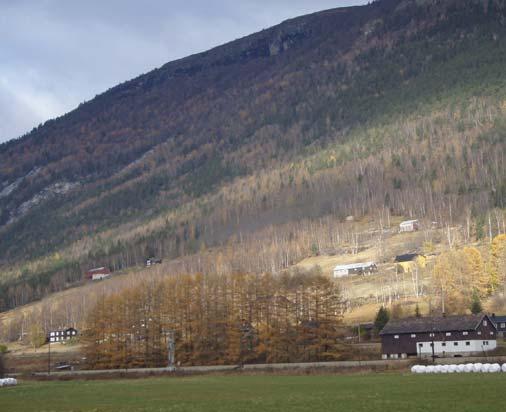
(218, 319)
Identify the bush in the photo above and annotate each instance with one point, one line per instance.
(3, 349)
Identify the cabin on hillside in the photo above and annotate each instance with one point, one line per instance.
(442, 336)
(405, 263)
(98, 273)
(61, 336)
(500, 324)
(409, 226)
(153, 261)
(366, 268)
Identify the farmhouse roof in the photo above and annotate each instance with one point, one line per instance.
(409, 222)
(408, 257)
(498, 319)
(433, 324)
(100, 269)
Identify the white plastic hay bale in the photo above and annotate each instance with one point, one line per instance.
(444, 368)
(422, 369)
(452, 368)
(10, 382)
(468, 368)
(437, 369)
(430, 369)
(495, 368)
(485, 367)
(477, 367)
(461, 368)
(503, 367)
(414, 369)
(1, 383)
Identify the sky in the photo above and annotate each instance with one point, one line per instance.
(55, 54)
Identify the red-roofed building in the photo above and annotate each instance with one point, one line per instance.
(98, 273)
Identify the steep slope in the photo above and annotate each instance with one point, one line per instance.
(265, 130)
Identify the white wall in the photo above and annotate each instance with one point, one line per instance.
(450, 348)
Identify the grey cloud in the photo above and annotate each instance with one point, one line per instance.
(56, 54)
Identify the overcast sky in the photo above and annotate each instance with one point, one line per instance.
(55, 54)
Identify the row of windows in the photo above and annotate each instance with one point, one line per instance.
(57, 338)
(73, 332)
(413, 335)
(485, 343)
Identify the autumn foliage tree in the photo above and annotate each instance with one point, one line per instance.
(218, 319)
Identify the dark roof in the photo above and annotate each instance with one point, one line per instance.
(408, 257)
(430, 324)
(496, 319)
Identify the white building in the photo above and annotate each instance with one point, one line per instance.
(409, 226)
(62, 335)
(355, 269)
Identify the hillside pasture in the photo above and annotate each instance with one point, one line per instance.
(373, 392)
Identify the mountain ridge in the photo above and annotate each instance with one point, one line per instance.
(283, 95)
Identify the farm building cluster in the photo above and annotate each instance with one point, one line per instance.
(404, 263)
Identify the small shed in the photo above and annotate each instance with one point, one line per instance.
(409, 226)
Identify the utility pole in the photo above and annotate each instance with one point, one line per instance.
(49, 358)
(171, 350)
(433, 349)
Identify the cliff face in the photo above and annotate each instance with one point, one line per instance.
(169, 138)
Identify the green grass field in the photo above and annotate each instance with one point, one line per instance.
(374, 392)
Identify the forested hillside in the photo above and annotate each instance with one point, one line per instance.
(264, 145)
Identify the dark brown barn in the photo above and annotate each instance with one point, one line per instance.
(442, 336)
(500, 324)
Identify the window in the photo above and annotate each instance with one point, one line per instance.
(485, 342)
(485, 323)
(503, 325)
(448, 334)
(492, 333)
(465, 333)
(468, 343)
(443, 344)
(420, 345)
(479, 332)
(431, 344)
(413, 335)
(396, 337)
(455, 344)
(431, 335)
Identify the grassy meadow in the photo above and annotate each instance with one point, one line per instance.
(262, 393)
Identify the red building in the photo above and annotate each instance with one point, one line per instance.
(98, 273)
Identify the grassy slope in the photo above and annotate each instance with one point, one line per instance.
(264, 393)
